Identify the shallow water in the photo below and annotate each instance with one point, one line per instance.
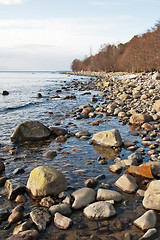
(21, 104)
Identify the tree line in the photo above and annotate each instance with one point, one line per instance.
(140, 54)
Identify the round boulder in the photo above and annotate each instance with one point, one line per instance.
(44, 181)
(30, 131)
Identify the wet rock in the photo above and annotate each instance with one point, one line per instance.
(105, 194)
(44, 181)
(47, 202)
(104, 185)
(39, 95)
(83, 197)
(99, 210)
(61, 221)
(91, 183)
(100, 177)
(2, 181)
(139, 119)
(41, 217)
(18, 171)
(25, 235)
(50, 154)
(58, 131)
(127, 183)
(2, 167)
(21, 199)
(23, 227)
(152, 197)
(140, 192)
(147, 220)
(63, 208)
(5, 93)
(4, 213)
(82, 133)
(15, 188)
(15, 216)
(30, 131)
(111, 138)
(149, 234)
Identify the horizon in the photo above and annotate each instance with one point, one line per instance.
(46, 35)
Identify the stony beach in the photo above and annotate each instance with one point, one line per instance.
(117, 194)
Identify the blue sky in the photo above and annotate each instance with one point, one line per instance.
(49, 34)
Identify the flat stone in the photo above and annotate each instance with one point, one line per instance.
(41, 217)
(149, 234)
(50, 154)
(82, 133)
(106, 194)
(83, 197)
(63, 208)
(147, 220)
(61, 221)
(99, 210)
(127, 183)
(115, 168)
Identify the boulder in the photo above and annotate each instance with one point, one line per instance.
(156, 105)
(152, 196)
(99, 210)
(105, 194)
(140, 119)
(147, 220)
(83, 197)
(44, 181)
(127, 183)
(110, 138)
(30, 131)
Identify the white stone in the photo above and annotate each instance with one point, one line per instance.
(149, 234)
(127, 183)
(147, 220)
(152, 196)
(106, 194)
(99, 210)
(83, 197)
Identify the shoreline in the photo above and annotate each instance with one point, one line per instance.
(119, 98)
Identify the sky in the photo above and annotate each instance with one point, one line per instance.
(50, 34)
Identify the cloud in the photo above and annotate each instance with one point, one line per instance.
(11, 2)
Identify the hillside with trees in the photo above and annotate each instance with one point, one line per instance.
(140, 54)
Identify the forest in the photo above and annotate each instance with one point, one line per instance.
(140, 54)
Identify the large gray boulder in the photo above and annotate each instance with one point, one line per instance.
(152, 196)
(44, 181)
(30, 131)
(110, 138)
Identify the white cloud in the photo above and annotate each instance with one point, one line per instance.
(11, 2)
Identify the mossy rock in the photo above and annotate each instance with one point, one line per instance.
(45, 181)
